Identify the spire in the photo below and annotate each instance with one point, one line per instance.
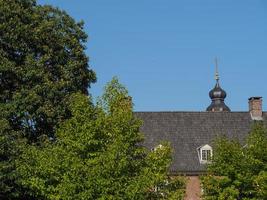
(217, 77)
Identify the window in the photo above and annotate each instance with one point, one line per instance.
(204, 154)
(160, 146)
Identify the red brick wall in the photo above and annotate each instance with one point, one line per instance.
(193, 189)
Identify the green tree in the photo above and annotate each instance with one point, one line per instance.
(42, 62)
(11, 145)
(238, 171)
(98, 155)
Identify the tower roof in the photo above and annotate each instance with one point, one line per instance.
(217, 95)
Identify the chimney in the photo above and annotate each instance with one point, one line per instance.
(255, 107)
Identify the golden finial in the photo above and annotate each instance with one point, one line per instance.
(217, 72)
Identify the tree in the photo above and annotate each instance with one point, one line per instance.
(238, 171)
(11, 145)
(42, 62)
(98, 155)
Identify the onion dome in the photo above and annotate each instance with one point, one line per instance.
(217, 95)
(217, 92)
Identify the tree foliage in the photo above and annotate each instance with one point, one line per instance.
(55, 144)
(11, 145)
(239, 171)
(42, 62)
(97, 155)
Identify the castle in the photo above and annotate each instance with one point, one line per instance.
(191, 133)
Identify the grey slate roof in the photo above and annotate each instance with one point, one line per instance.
(186, 131)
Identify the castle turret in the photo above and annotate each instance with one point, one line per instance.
(217, 95)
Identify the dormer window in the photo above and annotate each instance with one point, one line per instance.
(160, 146)
(204, 154)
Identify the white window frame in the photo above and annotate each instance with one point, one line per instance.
(205, 148)
(160, 146)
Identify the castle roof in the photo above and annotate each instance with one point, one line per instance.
(187, 131)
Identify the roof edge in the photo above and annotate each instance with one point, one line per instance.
(191, 112)
(187, 173)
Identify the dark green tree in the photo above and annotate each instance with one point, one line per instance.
(239, 171)
(42, 62)
(11, 145)
(98, 155)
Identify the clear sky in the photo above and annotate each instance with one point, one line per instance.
(163, 50)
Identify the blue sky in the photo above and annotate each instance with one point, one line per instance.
(163, 50)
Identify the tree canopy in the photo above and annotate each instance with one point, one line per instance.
(238, 171)
(42, 62)
(98, 155)
(55, 143)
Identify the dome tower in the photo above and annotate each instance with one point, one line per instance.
(217, 95)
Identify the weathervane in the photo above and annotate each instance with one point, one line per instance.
(217, 72)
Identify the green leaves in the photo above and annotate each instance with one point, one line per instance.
(238, 171)
(42, 62)
(97, 154)
(55, 144)
(11, 145)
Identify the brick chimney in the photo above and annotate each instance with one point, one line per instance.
(255, 107)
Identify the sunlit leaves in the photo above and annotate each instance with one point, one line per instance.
(98, 154)
(238, 171)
